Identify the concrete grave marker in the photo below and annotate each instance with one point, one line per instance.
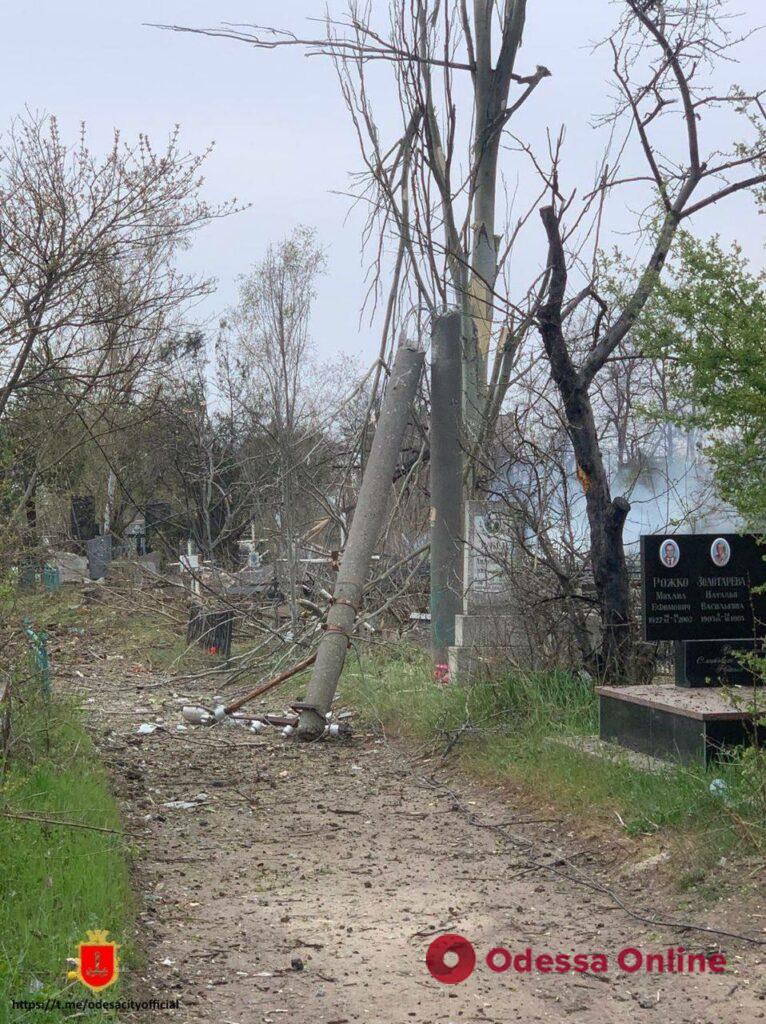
(488, 552)
(99, 553)
(72, 568)
(489, 633)
(191, 563)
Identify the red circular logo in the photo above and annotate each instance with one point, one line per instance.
(459, 950)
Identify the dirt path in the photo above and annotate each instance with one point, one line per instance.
(308, 882)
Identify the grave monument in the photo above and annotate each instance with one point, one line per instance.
(700, 591)
(99, 553)
(488, 633)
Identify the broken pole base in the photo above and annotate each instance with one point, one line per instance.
(311, 725)
(327, 669)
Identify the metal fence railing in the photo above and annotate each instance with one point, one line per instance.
(39, 657)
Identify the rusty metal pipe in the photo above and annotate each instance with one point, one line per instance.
(270, 684)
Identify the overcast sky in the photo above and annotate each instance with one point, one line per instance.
(283, 138)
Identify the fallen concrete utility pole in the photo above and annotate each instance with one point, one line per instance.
(446, 476)
(363, 536)
(198, 714)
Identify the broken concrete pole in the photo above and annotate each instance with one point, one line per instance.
(365, 531)
(446, 483)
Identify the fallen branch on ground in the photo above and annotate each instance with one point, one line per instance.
(66, 824)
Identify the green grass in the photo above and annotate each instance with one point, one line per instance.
(503, 731)
(146, 637)
(400, 693)
(151, 641)
(56, 882)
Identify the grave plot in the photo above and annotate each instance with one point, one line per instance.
(702, 592)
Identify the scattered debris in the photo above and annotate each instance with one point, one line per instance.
(187, 805)
(197, 716)
(650, 863)
(718, 788)
(646, 1002)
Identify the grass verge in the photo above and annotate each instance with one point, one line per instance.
(56, 882)
(503, 732)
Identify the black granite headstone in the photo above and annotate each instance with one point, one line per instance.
(84, 526)
(99, 552)
(702, 586)
(160, 529)
(713, 662)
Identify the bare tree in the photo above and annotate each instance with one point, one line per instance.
(659, 51)
(86, 244)
(439, 205)
(433, 189)
(271, 323)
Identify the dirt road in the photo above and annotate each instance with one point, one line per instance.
(306, 883)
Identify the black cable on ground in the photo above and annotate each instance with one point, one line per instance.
(583, 880)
